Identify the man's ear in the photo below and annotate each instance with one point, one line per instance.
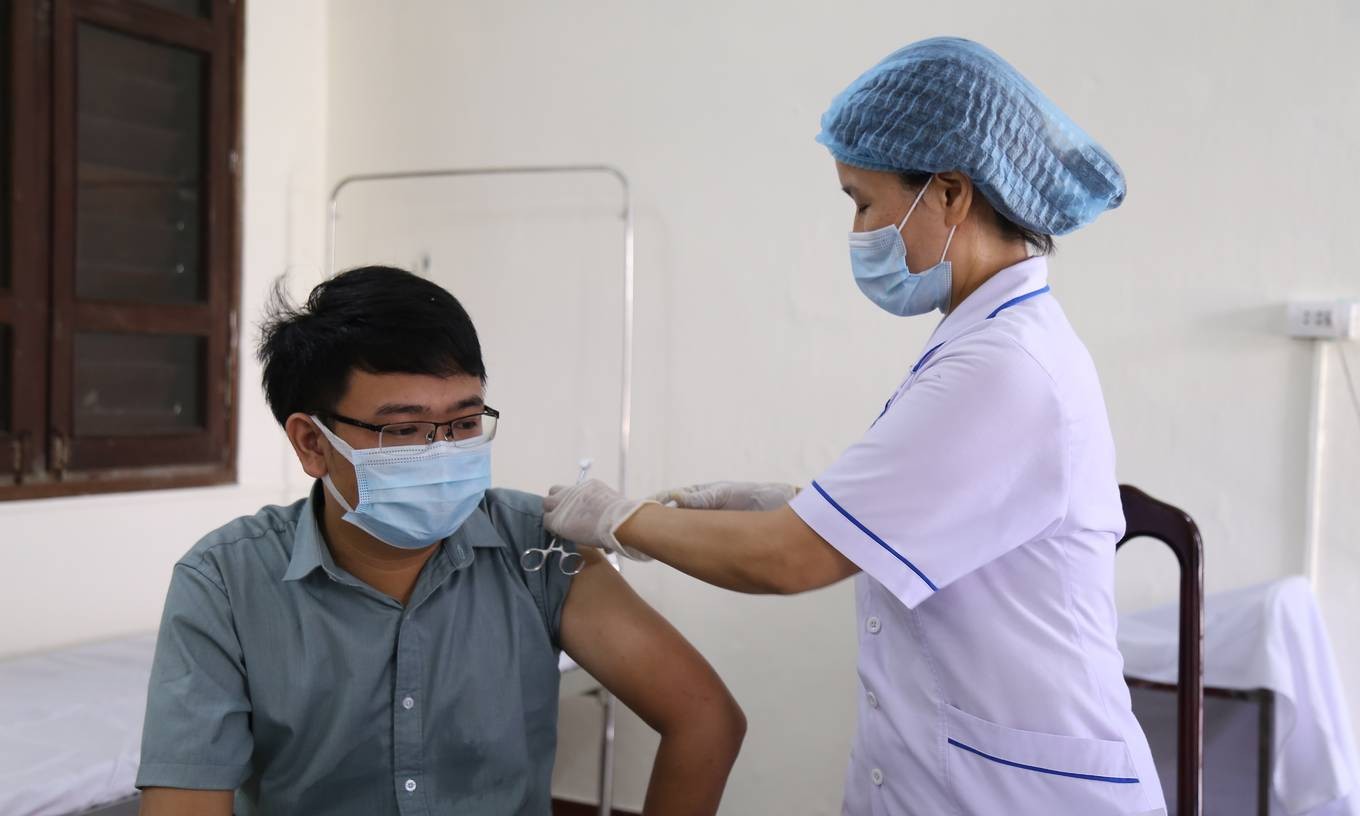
(308, 443)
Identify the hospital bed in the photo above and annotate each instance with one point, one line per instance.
(72, 727)
(1278, 738)
(1273, 715)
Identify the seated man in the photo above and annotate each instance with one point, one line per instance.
(377, 648)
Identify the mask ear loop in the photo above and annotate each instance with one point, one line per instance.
(912, 209)
(335, 493)
(346, 452)
(947, 242)
(342, 447)
(903, 225)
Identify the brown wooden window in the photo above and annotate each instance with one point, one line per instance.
(119, 251)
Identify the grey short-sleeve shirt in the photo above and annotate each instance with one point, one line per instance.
(282, 676)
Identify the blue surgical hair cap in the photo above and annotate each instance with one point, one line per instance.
(951, 104)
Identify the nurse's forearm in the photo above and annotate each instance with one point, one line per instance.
(726, 548)
(757, 552)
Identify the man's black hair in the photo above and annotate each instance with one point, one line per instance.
(374, 318)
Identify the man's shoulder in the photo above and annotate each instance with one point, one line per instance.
(504, 499)
(245, 536)
(517, 516)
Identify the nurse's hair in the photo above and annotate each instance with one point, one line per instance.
(374, 318)
(1041, 244)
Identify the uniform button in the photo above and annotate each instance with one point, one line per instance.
(873, 700)
(874, 625)
(410, 786)
(877, 776)
(408, 704)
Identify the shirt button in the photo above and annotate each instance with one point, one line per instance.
(411, 784)
(874, 625)
(877, 776)
(873, 699)
(408, 704)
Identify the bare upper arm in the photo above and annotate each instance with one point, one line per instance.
(803, 559)
(181, 802)
(636, 653)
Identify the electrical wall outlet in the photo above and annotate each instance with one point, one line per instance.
(1324, 319)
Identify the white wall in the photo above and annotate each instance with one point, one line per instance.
(758, 358)
(1339, 546)
(85, 568)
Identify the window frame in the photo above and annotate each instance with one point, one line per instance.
(44, 305)
(24, 305)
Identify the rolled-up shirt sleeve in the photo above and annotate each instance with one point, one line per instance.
(197, 733)
(969, 462)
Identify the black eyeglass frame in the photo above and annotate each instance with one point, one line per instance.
(488, 411)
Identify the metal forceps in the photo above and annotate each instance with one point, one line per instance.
(570, 563)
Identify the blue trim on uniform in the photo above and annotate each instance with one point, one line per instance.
(1003, 307)
(870, 534)
(926, 358)
(1117, 780)
(886, 406)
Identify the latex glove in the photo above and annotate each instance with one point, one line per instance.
(730, 496)
(589, 514)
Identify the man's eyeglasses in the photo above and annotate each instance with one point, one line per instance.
(464, 432)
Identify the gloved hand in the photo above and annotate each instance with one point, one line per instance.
(589, 513)
(730, 496)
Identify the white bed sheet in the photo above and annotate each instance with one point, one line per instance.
(1268, 636)
(72, 726)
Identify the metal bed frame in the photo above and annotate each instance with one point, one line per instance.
(607, 702)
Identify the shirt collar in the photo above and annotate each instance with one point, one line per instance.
(1028, 276)
(310, 551)
(309, 546)
(476, 533)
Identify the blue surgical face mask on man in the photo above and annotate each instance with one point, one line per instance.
(414, 495)
(878, 259)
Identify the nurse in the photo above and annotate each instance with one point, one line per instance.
(979, 511)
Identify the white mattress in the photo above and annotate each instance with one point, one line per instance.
(72, 725)
(1268, 636)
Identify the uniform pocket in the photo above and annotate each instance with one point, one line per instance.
(993, 769)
